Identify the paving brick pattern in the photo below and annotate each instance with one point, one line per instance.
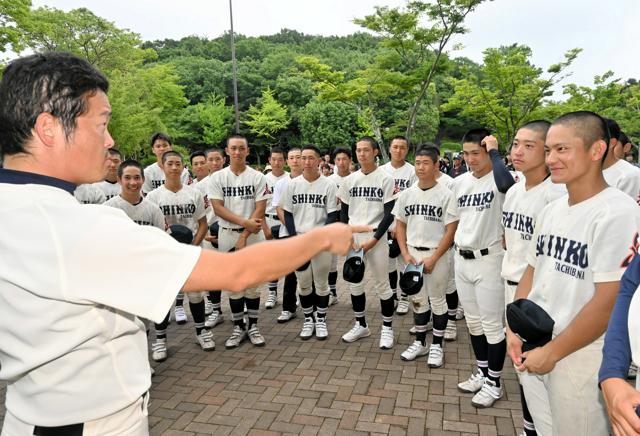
(295, 387)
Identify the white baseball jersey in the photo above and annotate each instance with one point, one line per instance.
(425, 213)
(203, 187)
(576, 247)
(83, 354)
(366, 195)
(239, 193)
(338, 180)
(184, 207)
(89, 194)
(109, 189)
(144, 213)
(479, 207)
(625, 177)
(403, 177)
(271, 183)
(309, 202)
(154, 177)
(446, 180)
(519, 212)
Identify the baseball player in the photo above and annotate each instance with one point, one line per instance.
(367, 197)
(341, 170)
(309, 201)
(580, 250)
(425, 228)
(89, 193)
(91, 377)
(184, 205)
(154, 174)
(276, 160)
(110, 186)
(618, 172)
(404, 175)
(239, 195)
(478, 262)
(289, 301)
(523, 202)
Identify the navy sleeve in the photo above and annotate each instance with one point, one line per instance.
(289, 223)
(616, 353)
(332, 217)
(501, 173)
(344, 213)
(386, 221)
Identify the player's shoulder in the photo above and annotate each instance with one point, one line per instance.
(152, 167)
(115, 201)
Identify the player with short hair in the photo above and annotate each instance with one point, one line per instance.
(110, 186)
(310, 201)
(89, 193)
(618, 172)
(404, 175)
(154, 174)
(425, 228)
(478, 262)
(239, 195)
(276, 160)
(184, 205)
(367, 197)
(579, 252)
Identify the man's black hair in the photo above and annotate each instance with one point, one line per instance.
(169, 153)
(588, 126)
(312, 147)
(115, 152)
(56, 83)
(130, 163)
(399, 137)
(614, 129)
(159, 136)
(429, 151)
(538, 126)
(476, 135)
(339, 150)
(276, 150)
(196, 154)
(237, 136)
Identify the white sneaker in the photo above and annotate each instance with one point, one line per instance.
(333, 299)
(272, 300)
(451, 332)
(181, 316)
(488, 394)
(208, 306)
(473, 384)
(205, 339)
(159, 350)
(357, 332)
(213, 320)
(308, 327)
(286, 316)
(460, 312)
(255, 337)
(237, 336)
(386, 338)
(403, 306)
(436, 356)
(416, 349)
(321, 329)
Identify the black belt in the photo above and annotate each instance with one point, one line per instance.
(512, 283)
(422, 248)
(274, 217)
(468, 254)
(240, 230)
(63, 430)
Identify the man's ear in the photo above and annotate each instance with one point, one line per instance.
(598, 150)
(47, 128)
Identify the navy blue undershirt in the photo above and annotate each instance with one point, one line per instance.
(15, 177)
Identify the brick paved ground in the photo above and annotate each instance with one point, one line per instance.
(292, 387)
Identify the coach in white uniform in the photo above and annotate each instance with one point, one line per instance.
(79, 366)
(367, 197)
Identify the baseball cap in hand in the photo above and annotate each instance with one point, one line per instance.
(530, 322)
(181, 233)
(411, 279)
(353, 270)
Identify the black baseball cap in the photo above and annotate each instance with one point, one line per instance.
(411, 280)
(353, 270)
(181, 233)
(530, 322)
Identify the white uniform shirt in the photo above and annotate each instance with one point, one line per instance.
(239, 193)
(425, 213)
(519, 212)
(277, 200)
(89, 194)
(203, 187)
(271, 183)
(109, 189)
(625, 177)
(446, 180)
(144, 213)
(403, 177)
(366, 195)
(338, 180)
(184, 207)
(154, 177)
(71, 344)
(479, 207)
(309, 202)
(576, 247)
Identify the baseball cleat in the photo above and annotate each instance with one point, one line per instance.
(205, 339)
(213, 320)
(321, 329)
(255, 337)
(357, 332)
(403, 306)
(386, 338)
(473, 384)
(460, 313)
(451, 332)
(286, 316)
(416, 349)
(488, 395)
(272, 300)
(436, 356)
(308, 328)
(333, 299)
(181, 316)
(208, 306)
(159, 350)
(237, 336)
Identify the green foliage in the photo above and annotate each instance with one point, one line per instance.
(206, 123)
(267, 117)
(13, 17)
(329, 124)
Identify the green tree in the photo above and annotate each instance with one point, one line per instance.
(508, 91)
(13, 16)
(206, 123)
(267, 117)
(329, 124)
